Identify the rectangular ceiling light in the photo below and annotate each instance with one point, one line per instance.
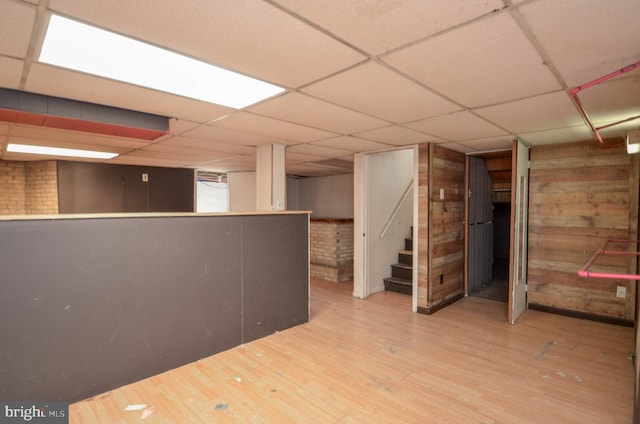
(58, 151)
(80, 47)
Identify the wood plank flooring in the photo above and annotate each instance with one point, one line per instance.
(374, 361)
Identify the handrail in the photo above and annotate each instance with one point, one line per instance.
(584, 271)
(392, 217)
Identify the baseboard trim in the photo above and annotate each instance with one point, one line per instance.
(435, 308)
(582, 315)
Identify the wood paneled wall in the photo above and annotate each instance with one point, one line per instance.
(441, 228)
(580, 195)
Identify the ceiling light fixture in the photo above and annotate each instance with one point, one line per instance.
(59, 151)
(80, 47)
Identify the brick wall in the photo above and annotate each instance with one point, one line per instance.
(12, 188)
(28, 187)
(331, 249)
(41, 187)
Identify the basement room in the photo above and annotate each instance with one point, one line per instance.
(319, 212)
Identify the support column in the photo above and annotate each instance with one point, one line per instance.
(271, 178)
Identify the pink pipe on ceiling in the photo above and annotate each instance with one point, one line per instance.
(576, 99)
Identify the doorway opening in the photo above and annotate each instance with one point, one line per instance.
(489, 225)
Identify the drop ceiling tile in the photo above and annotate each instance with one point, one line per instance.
(376, 26)
(67, 144)
(293, 157)
(181, 153)
(10, 72)
(313, 149)
(314, 170)
(251, 36)
(484, 63)
(204, 144)
(52, 134)
(4, 128)
(458, 147)
(490, 144)
(272, 128)
(549, 111)
(376, 90)
(83, 87)
(178, 126)
(557, 136)
(398, 136)
(458, 126)
(16, 28)
(147, 161)
(586, 39)
(614, 100)
(225, 135)
(234, 164)
(305, 110)
(353, 144)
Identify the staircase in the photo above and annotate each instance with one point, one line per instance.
(401, 273)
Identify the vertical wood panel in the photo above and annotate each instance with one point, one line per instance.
(580, 195)
(441, 229)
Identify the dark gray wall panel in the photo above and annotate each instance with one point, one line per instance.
(107, 188)
(273, 289)
(88, 305)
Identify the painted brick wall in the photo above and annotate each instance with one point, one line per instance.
(41, 187)
(12, 188)
(331, 249)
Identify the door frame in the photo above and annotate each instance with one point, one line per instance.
(361, 284)
(519, 230)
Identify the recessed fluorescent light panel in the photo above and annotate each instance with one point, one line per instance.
(58, 151)
(80, 47)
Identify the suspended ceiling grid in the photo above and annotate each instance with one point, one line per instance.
(360, 76)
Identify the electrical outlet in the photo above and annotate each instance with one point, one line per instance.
(621, 292)
(441, 194)
(145, 177)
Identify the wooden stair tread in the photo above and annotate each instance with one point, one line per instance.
(397, 280)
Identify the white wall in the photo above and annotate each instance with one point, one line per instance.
(388, 174)
(212, 197)
(242, 191)
(327, 197)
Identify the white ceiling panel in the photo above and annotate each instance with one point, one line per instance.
(316, 150)
(378, 26)
(4, 128)
(234, 164)
(225, 135)
(376, 90)
(178, 126)
(205, 144)
(76, 86)
(10, 72)
(457, 126)
(586, 39)
(554, 110)
(353, 144)
(557, 136)
(489, 144)
(180, 153)
(273, 128)
(16, 28)
(147, 161)
(305, 110)
(397, 135)
(487, 62)
(248, 36)
(614, 100)
(458, 147)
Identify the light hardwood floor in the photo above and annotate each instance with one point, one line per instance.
(374, 361)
